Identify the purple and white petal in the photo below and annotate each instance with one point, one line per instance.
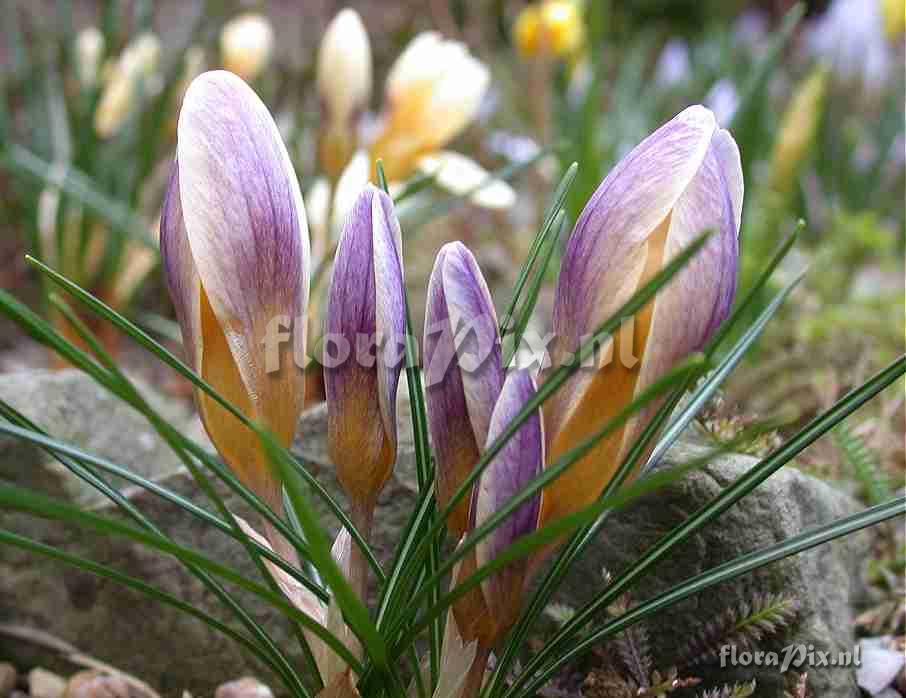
(452, 439)
(463, 373)
(630, 203)
(473, 323)
(180, 272)
(351, 300)
(363, 355)
(693, 305)
(390, 305)
(243, 214)
(606, 252)
(514, 467)
(730, 162)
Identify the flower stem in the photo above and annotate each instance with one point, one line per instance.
(362, 515)
(472, 687)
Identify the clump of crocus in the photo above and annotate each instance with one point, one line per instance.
(363, 349)
(798, 129)
(344, 86)
(463, 372)
(433, 91)
(234, 244)
(134, 72)
(551, 28)
(246, 44)
(681, 181)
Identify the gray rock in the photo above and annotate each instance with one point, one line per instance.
(826, 580)
(162, 646)
(173, 652)
(73, 408)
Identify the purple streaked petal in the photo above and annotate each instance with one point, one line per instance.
(628, 205)
(180, 272)
(243, 214)
(727, 153)
(517, 464)
(606, 253)
(459, 401)
(455, 447)
(473, 324)
(365, 310)
(390, 291)
(689, 309)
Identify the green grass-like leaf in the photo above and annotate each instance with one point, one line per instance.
(730, 570)
(717, 506)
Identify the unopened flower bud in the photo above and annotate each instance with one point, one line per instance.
(246, 44)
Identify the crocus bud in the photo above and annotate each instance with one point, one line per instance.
(681, 181)
(551, 28)
(89, 50)
(433, 92)
(463, 372)
(235, 252)
(463, 176)
(344, 85)
(246, 44)
(514, 467)
(363, 347)
(484, 614)
(135, 70)
(798, 129)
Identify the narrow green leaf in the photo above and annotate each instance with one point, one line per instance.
(559, 376)
(574, 549)
(558, 529)
(69, 454)
(704, 393)
(554, 470)
(21, 161)
(13, 539)
(353, 609)
(133, 397)
(18, 499)
(525, 312)
(557, 203)
(717, 506)
(735, 568)
(8, 303)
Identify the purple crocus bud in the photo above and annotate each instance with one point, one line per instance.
(364, 347)
(463, 373)
(486, 613)
(681, 181)
(234, 244)
(514, 467)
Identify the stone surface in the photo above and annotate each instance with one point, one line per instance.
(8, 679)
(173, 652)
(73, 408)
(162, 646)
(825, 580)
(45, 684)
